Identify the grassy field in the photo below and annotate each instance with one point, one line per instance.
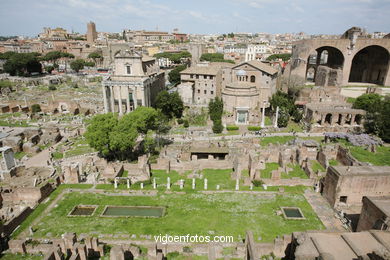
(296, 172)
(191, 213)
(316, 166)
(380, 158)
(269, 167)
(20, 257)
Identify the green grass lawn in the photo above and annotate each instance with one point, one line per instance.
(269, 167)
(79, 147)
(380, 158)
(265, 141)
(333, 162)
(192, 213)
(297, 172)
(42, 206)
(316, 166)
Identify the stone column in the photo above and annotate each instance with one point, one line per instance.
(115, 183)
(343, 117)
(237, 184)
(112, 99)
(142, 185)
(106, 110)
(193, 183)
(154, 183)
(120, 100)
(168, 183)
(276, 118)
(127, 100)
(353, 119)
(181, 184)
(263, 116)
(128, 183)
(135, 97)
(205, 184)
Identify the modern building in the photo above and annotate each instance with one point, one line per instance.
(136, 81)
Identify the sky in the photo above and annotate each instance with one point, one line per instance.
(28, 17)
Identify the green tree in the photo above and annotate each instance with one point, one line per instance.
(77, 65)
(384, 120)
(35, 108)
(22, 64)
(95, 56)
(89, 64)
(214, 57)
(216, 109)
(174, 75)
(170, 104)
(283, 56)
(122, 138)
(143, 119)
(369, 102)
(284, 117)
(217, 126)
(49, 68)
(99, 130)
(175, 57)
(149, 143)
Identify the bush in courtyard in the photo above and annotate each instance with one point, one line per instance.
(217, 127)
(231, 127)
(186, 124)
(254, 128)
(52, 87)
(257, 183)
(180, 121)
(35, 108)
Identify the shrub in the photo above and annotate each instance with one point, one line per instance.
(36, 108)
(180, 121)
(186, 124)
(231, 127)
(52, 87)
(217, 127)
(257, 183)
(254, 128)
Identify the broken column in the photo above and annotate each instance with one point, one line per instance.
(168, 183)
(205, 184)
(193, 183)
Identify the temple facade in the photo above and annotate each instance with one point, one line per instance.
(136, 80)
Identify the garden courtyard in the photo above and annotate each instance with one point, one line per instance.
(218, 213)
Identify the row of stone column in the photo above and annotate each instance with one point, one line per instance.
(109, 105)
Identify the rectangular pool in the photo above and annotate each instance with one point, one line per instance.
(83, 210)
(133, 211)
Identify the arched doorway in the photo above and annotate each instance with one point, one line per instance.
(328, 118)
(370, 65)
(324, 56)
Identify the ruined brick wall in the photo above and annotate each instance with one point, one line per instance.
(369, 215)
(13, 223)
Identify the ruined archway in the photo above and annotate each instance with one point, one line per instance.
(324, 56)
(370, 65)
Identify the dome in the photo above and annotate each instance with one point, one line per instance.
(241, 73)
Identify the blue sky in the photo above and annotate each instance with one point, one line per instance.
(28, 17)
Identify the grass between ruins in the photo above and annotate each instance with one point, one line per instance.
(191, 213)
(224, 213)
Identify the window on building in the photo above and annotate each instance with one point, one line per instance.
(197, 76)
(253, 78)
(128, 69)
(192, 76)
(198, 91)
(205, 91)
(204, 76)
(211, 77)
(343, 199)
(212, 92)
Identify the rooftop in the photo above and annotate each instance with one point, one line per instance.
(362, 170)
(383, 203)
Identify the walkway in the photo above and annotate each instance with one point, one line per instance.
(323, 210)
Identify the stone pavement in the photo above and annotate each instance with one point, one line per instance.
(323, 210)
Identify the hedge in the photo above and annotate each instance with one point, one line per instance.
(231, 127)
(254, 128)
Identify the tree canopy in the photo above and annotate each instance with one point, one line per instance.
(214, 57)
(117, 137)
(174, 75)
(285, 102)
(283, 56)
(369, 102)
(21, 64)
(215, 112)
(170, 104)
(175, 57)
(77, 65)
